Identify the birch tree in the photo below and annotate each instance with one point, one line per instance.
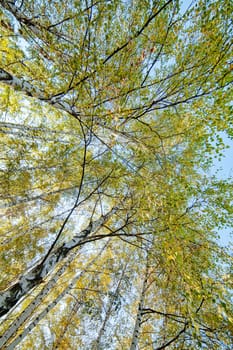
(111, 116)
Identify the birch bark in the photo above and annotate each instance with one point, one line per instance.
(108, 312)
(34, 91)
(135, 337)
(42, 314)
(34, 277)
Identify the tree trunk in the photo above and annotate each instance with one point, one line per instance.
(38, 299)
(108, 312)
(134, 343)
(34, 277)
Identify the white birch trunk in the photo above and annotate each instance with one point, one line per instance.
(34, 277)
(33, 91)
(34, 25)
(20, 337)
(12, 329)
(134, 343)
(108, 312)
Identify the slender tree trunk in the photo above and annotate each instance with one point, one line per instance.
(36, 27)
(108, 312)
(42, 314)
(34, 91)
(135, 338)
(35, 303)
(34, 277)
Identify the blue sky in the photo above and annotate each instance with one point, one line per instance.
(225, 166)
(225, 170)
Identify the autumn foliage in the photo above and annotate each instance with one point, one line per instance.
(111, 115)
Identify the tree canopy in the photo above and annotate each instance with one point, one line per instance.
(111, 115)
